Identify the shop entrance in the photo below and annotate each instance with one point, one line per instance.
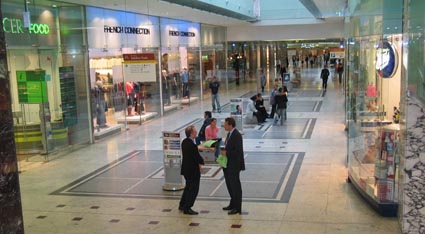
(36, 102)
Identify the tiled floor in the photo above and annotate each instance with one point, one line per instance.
(140, 174)
(312, 197)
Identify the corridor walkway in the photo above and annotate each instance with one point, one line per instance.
(295, 178)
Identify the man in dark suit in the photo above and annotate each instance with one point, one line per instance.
(191, 170)
(233, 150)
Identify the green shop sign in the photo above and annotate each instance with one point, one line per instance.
(32, 87)
(15, 26)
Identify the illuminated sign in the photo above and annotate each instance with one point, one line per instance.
(181, 34)
(126, 30)
(15, 26)
(386, 60)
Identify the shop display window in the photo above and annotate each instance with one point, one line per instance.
(120, 97)
(373, 119)
(180, 79)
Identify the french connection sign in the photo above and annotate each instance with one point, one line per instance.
(15, 26)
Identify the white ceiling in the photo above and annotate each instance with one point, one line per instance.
(274, 12)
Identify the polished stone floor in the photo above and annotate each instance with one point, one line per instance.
(295, 180)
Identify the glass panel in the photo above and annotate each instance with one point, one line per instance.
(121, 97)
(180, 77)
(373, 107)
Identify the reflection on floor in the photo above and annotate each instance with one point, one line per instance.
(108, 130)
(137, 119)
(186, 101)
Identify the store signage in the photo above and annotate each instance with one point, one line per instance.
(133, 57)
(15, 26)
(181, 33)
(32, 86)
(386, 60)
(126, 30)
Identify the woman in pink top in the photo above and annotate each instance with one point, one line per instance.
(211, 131)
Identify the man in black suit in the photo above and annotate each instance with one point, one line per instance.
(233, 150)
(191, 170)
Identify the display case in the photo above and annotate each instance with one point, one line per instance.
(372, 120)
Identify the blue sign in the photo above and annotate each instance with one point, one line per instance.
(386, 60)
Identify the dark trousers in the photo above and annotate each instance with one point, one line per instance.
(234, 188)
(273, 111)
(260, 117)
(325, 82)
(190, 192)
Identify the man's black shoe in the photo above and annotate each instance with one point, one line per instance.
(181, 208)
(190, 212)
(227, 208)
(234, 211)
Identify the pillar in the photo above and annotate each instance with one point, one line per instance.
(11, 220)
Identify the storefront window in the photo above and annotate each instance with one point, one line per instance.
(213, 57)
(180, 63)
(48, 88)
(124, 69)
(373, 108)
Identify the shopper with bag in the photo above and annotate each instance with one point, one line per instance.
(233, 150)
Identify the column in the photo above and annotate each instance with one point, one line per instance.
(11, 219)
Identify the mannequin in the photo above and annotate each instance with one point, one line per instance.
(185, 82)
(129, 90)
(100, 104)
(165, 88)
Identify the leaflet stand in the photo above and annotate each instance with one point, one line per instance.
(173, 181)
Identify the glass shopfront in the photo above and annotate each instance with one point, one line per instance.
(213, 57)
(47, 78)
(124, 92)
(374, 91)
(132, 68)
(180, 63)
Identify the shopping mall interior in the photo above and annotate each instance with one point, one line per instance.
(96, 97)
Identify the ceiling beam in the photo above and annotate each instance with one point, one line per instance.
(312, 8)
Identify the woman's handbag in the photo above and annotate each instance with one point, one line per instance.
(222, 161)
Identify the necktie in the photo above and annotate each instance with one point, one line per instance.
(227, 138)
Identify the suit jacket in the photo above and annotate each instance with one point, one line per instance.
(234, 151)
(191, 159)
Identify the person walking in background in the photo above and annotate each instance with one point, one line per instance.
(324, 74)
(185, 82)
(191, 170)
(282, 71)
(215, 98)
(233, 150)
(272, 101)
(340, 70)
(281, 100)
(263, 80)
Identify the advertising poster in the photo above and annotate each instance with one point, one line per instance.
(139, 67)
(173, 181)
